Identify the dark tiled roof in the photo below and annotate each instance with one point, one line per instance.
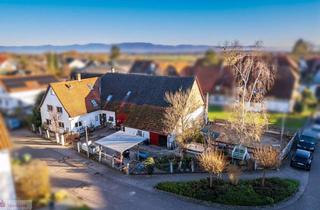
(144, 117)
(144, 67)
(142, 89)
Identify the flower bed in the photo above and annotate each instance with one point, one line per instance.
(246, 193)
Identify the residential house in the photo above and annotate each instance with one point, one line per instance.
(145, 67)
(72, 105)
(76, 63)
(311, 73)
(285, 90)
(7, 64)
(218, 82)
(22, 91)
(133, 101)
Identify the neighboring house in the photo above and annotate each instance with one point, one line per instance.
(285, 90)
(218, 82)
(8, 65)
(22, 91)
(75, 63)
(312, 75)
(145, 67)
(135, 102)
(91, 70)
(7, 192)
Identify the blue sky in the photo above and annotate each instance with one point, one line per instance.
(277, 23)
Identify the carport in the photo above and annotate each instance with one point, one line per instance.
(118, 143)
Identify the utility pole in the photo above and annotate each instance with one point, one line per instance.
(282, 126)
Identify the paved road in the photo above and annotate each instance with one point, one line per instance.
(310, 200)
(103, 188)
(100, 190)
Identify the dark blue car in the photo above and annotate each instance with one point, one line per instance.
(302, 159)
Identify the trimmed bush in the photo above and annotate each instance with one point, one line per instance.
(149, 164)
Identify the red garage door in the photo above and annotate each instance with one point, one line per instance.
(154, 138)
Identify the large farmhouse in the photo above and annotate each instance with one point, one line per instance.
(134, 102)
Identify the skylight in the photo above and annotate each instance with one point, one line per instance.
(94, 103)
(109, 98)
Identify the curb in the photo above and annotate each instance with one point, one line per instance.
(282, 204)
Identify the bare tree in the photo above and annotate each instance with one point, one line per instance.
(178, 118)
(214, 162)
(253, 77)
(54, 126)
(268, 158)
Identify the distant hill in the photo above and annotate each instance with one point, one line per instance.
(134, 47)
(127, 47)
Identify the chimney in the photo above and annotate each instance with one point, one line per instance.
(79, 77)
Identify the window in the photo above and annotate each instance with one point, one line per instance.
(110, 119)
(50, 108)
(94, 103)
(139, 133)
(61, 125)
(48, 122)
(78, 124)
(59, 109)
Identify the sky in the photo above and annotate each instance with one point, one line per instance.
(278, 23)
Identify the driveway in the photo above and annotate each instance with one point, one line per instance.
(103, 188)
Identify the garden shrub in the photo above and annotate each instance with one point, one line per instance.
(32, 180)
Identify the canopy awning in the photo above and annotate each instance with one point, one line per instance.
(120, 141)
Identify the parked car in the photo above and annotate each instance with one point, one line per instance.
(316, 124)
(302, 159)
(309, 133)
(306, 144)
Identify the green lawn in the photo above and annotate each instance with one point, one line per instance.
(293, 121)
(246, 193)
